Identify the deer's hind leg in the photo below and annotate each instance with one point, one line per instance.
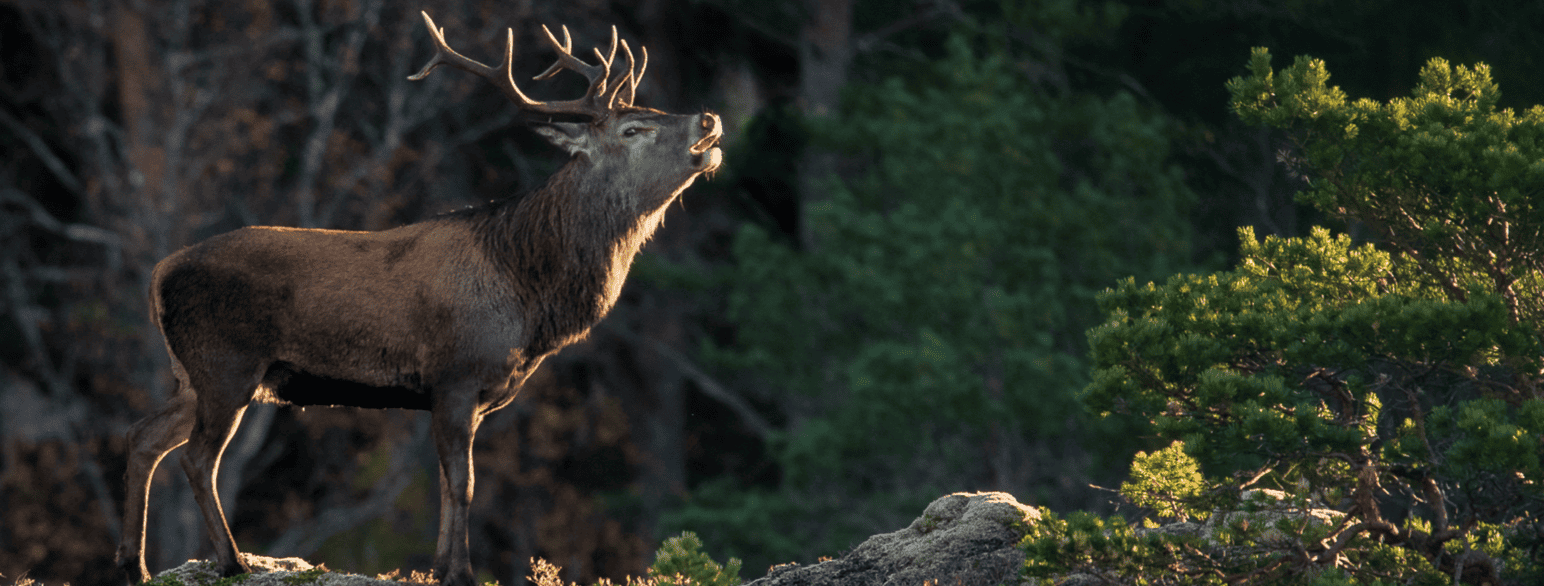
(149, 441)
(222, 400)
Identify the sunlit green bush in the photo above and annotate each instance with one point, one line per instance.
(1396, 382)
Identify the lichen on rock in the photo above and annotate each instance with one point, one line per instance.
(962, 538)
(266, 571)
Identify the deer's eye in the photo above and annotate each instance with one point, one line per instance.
(631, 131)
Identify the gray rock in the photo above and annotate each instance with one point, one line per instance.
(266, 571)
(1081, 579)
(1183, 528)
(962, 538)
(1263, 508)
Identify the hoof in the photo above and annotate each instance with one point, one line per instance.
(134, 573)
(462, 578)
(235, 569)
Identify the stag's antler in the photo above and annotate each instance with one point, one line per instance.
(597, 102)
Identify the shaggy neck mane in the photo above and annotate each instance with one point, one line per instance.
(564, 249)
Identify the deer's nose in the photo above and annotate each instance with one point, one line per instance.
(712, 131)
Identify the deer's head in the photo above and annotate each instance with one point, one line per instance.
(621, 148)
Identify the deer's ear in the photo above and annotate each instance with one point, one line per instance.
(569, 136)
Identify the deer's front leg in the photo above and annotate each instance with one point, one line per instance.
(454, 425)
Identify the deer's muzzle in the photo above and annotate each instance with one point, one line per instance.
(709, 157)
(713, 130)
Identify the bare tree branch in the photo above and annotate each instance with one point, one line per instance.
(924, 14)
(304, 539)
(43, 219)
(43, 152)
(710, 387)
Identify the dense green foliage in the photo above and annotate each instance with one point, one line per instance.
(681, 558)
(1396, 383)
(1443, 176)
(939, 309)
(1168, 482)
(680, 561)
(961, 266)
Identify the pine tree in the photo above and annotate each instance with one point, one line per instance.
(1397, 381)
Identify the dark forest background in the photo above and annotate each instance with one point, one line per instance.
(880, 299)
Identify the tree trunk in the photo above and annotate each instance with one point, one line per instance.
(825, 52)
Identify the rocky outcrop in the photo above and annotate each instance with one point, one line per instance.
(967, 539)
(266, 571)
(962, 538)
(1264, 508)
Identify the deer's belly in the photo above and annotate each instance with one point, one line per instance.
(285, 383)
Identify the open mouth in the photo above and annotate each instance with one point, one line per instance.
(705, 152)
(709, 161)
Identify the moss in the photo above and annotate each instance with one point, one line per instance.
(929, 524)
(165, 580)
(305, 577)
(231, 581)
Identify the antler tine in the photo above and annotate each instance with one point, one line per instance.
(610, 57)
(438, 34)
(500, 76)
(564, 49)
(627, 81)
(568, 40)
(637, 78)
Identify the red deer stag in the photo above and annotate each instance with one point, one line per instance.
(450, 315)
